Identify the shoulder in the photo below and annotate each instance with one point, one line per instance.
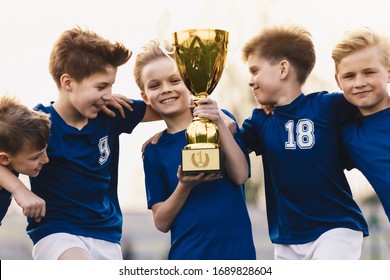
(43, 108)
(331, 97)
(151, 150)
(257, 115)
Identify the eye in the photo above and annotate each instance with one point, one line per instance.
(348, 76)
(153, 86)
(102, 87)
(176, 81)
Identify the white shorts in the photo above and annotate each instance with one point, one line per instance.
(334, 244)
(52, 246)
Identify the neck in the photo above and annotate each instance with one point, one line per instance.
(377, 108)
(288, 96)
(69, 114)
(179, 122)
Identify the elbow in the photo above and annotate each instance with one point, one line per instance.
(239, 176)
(163, 227)
(240, 180)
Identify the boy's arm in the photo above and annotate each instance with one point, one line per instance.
(164, 213)
(33, 206)
(120, 102)
(150, 115)
(235, 161)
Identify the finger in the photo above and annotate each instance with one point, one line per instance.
(26, 212)
(43, 211)
(108, 112)
(126, 103)
(121, 111)
(156, 138)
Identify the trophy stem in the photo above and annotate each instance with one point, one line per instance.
(199, 96)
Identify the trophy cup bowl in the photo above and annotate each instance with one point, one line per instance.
(200, 55)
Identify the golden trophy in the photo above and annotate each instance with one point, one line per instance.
(200, 55)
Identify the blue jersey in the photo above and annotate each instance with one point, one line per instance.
(307, 192)
(367, 143)
(214, 222)
(79, 184)
(5, 200)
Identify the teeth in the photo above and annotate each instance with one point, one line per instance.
(168, 100)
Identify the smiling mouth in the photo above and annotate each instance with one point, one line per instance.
(168, 100)
(362, 92)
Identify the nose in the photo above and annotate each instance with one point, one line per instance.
(45, 158)
(107, 96)
(360, 81)
(165, 88)
(251, 83)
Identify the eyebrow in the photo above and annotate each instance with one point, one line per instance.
(38, 153)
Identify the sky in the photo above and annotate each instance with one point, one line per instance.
(28, 30)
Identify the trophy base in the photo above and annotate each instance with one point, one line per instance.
(201, 159)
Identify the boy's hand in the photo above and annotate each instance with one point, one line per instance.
(33, 206)
(208, 108)
(193, 180)
(267, 109)
(118, 102)
(152, 140)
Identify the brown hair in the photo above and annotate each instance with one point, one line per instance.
(150, 52)
(81, 53)
(20, 125)
(292, 43)
(359, 39)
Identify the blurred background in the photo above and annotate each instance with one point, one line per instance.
(28, 30)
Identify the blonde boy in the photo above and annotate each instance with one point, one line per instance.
(362, 64)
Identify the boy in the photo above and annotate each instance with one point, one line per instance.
(206, 213)
(83, 218)
(310, 210)
(362, 62)
(24, 135)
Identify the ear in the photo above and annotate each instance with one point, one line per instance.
(284, 69)
(145, 98)
(337, 81)
(66, 82)
(4, 159)
(388, 75)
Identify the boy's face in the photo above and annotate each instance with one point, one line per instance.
(265, 79)
(89, 95)
(164, 89)
(363, 79)
(28, 161)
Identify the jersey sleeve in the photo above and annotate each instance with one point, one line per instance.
(239, 140)
(250, 133)
(5, 201)
(132, 119)
(156, 191)
(346, 159)
(339, 109)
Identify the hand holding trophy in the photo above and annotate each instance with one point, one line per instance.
(200, 55)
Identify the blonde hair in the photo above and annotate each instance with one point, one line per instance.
(359, 39)
(20, 125)
(292, 43)
(151, 51)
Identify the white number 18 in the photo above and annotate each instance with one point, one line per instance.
(304, 134)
